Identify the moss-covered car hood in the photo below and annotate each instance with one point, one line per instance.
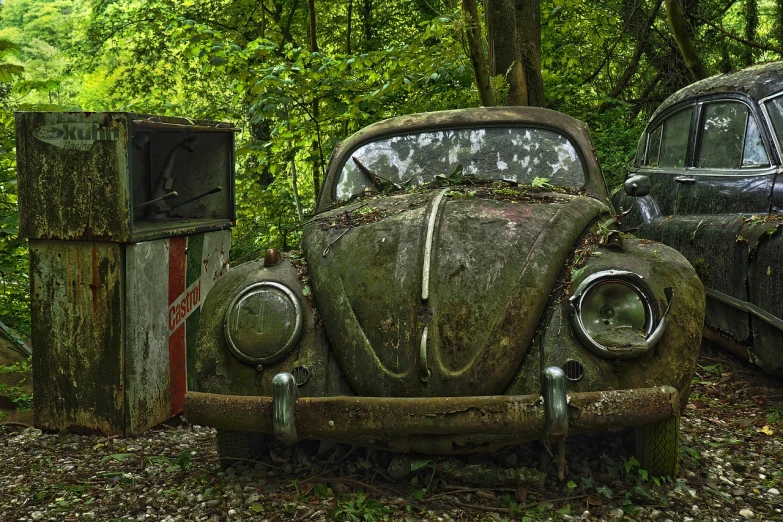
(494, 263)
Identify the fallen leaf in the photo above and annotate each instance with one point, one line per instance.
(520, 493)
(593, 502)
(766, 430)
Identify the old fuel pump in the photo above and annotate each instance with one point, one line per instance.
(128, 218)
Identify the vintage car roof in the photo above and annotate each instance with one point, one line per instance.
(757, 82)
(574, 129)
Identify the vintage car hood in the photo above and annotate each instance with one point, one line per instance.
(493, 264)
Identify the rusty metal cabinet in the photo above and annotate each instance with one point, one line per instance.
(128, 218)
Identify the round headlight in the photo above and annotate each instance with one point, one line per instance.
(612, 312)
(263, 323)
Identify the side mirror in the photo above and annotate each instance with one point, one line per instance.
(637, 186)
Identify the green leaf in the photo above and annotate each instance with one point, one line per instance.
(118, 456)
(420, 463)
(257, 508)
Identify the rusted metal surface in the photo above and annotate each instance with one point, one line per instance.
(147, 335)
(758, 81)
(483, 303)
(99, 172)
(80, 162)
(394, 420)
(77, 330)
(593, 411)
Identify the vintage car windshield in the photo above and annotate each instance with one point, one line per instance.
(517, 154)
(775, 110)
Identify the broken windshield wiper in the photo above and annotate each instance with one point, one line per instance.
(380, 184)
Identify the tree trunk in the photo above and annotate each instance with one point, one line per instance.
(751, 25)
(367, 25)
(476, 50)
(349, 23)
(528, 21)
(316, 109)
(676, 19)
(505, 57)
(779, 23)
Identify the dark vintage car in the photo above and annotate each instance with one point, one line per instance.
(460, 289)
(712, 152)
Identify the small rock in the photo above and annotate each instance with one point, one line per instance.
(617, 513)
(512, 459)
(738, 492)
(36, 515)
(585, 516)
(747, 513)
(762, 476)
(773, 491)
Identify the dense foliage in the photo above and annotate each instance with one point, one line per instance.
(299, 75)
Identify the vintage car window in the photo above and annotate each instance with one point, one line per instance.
(494, 153)
(654, 147)
(730, 138)
(674, 141)
(755, 155)
(775, 111)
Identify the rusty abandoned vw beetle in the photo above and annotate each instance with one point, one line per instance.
(459, 289)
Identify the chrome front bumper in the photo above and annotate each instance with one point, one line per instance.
(395, 421)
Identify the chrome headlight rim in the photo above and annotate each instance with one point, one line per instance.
(653, 328)
(285, 349)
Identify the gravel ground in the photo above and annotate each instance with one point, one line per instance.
(731, 447)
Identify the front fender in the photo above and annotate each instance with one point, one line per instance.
(671, 362)
(219, 371)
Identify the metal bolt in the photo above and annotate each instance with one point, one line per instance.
(260, 368)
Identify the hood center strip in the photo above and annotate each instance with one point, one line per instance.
(424, 371)
(425, 275)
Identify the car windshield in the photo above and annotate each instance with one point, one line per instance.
(515, 154)
(775, 110)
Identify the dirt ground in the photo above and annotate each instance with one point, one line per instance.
(731, 451)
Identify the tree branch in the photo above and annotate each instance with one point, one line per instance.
(750, 43)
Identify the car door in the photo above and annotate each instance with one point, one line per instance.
(662, 157)
(729, 180)
(765, 284)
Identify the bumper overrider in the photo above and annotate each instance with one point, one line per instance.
(380, 421)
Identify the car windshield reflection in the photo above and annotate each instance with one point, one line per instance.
(517, 154)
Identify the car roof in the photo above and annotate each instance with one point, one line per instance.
(576, 131)
(757, 82)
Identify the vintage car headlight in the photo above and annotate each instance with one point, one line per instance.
(612, 314)
(263, 323)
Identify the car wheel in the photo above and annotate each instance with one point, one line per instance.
(657, 447)
(239, 446)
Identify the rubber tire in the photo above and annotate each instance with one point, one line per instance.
(239, 446)
(658, 447)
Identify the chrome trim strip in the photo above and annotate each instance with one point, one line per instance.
(746, 307)
(425, 274)
(424, 371)
(284, 397)
(653, 335)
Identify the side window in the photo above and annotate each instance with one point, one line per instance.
(775, 112)
(674, 141)
(654, 148)
(730, 138)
